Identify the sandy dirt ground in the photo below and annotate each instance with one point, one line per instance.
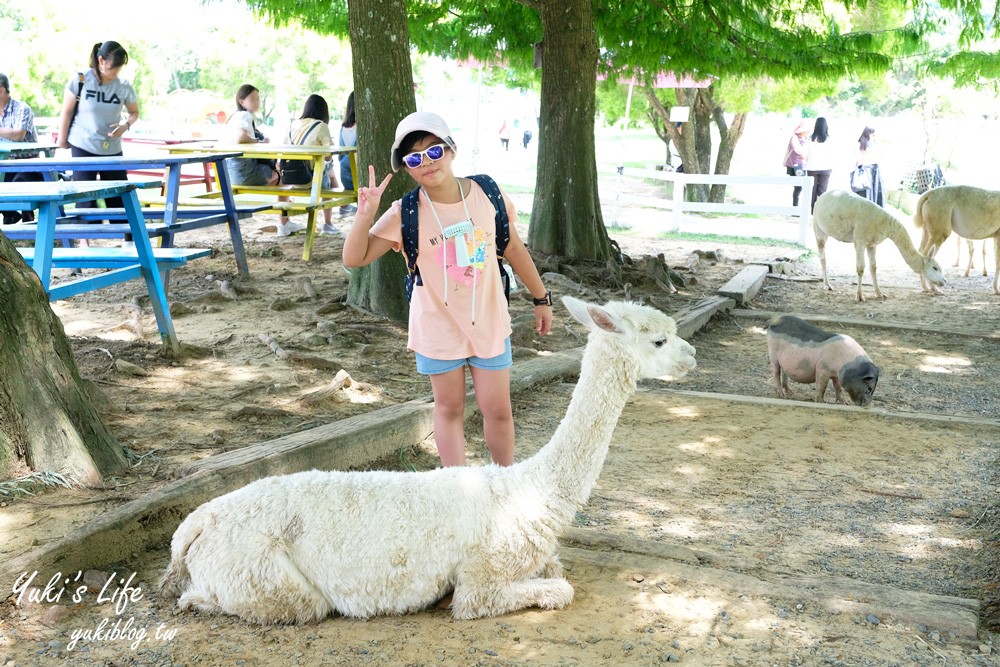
(744, 494)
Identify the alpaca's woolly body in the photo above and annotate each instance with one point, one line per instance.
(295, 548)
(850, 218)
(972, 213)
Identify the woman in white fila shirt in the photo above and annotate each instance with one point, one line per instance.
(93, 120)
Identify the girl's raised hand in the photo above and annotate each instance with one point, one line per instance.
(370, 197)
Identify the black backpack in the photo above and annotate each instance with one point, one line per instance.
(411, 237)
(297, 172)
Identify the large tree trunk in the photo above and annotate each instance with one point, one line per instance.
(383, 95)
(47, 421)
(566, 215)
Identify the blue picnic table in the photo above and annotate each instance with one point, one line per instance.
(126, 264)
(172, 216)
(25, 149)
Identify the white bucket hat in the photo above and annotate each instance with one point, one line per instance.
(420, 121)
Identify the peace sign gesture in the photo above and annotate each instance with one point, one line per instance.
(370, 197)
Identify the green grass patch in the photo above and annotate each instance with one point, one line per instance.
(731, 240)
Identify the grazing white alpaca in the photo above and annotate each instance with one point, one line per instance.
(853, 219)
(295, 548)
(972, 213)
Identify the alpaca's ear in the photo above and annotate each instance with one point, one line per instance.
(591, 316)
(932, 250)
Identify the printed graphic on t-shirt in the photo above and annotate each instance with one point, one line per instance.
(464, 267)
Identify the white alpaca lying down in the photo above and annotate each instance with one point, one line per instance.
(295, 548)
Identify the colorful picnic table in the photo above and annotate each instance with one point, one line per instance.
(50, 167)
(313, 197)
(125, 264)
(146, 140)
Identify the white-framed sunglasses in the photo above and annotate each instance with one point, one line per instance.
(433, 153)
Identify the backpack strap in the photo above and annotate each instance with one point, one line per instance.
(79, 91)
(411, 236)
(411, 239)
(493, 193)
(302, 139)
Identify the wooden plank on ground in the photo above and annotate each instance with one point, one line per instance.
(745, 285)
(691, 319)
(853, 321)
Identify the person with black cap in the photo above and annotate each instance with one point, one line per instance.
(458, 313)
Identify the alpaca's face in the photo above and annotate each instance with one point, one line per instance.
(933, 272)
(651, 335)
(667, 356)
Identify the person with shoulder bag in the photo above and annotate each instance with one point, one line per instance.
(866, 179)
(91, 123)
(312, 128)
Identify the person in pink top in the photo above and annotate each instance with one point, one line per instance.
(458, 316)
(795, 157)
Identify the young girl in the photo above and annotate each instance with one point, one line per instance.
(458, 316)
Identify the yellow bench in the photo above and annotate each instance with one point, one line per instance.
(316, 198)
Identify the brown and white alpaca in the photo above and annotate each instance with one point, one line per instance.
(850, 218)
(972, 213)
(298, 547)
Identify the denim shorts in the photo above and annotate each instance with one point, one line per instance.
(428, 366)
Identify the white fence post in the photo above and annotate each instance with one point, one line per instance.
(805, 204)
(678, 200)
(679, 205)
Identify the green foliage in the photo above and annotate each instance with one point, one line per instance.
(42, 47)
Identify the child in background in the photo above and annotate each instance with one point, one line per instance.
(459, 315)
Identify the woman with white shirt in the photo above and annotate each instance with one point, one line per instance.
(251, 171)
(819, 160)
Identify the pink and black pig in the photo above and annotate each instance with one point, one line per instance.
(805, 353)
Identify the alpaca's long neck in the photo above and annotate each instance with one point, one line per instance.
(898, 235)
(568, 466)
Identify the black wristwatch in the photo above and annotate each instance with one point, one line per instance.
(544, 301)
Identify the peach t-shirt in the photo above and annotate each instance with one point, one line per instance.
(442, 330)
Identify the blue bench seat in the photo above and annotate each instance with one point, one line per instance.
(109, 258)
(67, 228)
